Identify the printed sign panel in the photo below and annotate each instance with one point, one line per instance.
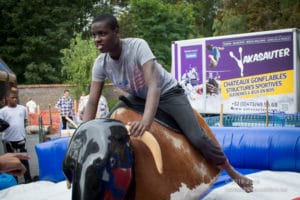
(189, 73)
(243, 72)
(249, 71)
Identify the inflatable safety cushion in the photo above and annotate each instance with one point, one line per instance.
(6, 181)
(50, 157)
(261, 147)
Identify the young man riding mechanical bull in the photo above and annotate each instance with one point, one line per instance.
(130, 64)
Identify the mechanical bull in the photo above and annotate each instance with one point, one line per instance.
(103, 162)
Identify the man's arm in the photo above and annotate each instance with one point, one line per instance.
(26, 118)
(152, 81)
(58, 104)
(92, 104)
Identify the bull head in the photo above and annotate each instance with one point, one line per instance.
(99, 161)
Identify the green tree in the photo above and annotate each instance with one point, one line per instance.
(230, 17)
(263, 15)
(33, 32)
(229, 22)
(205, 13)
(241, 16)
(290, 14)
(159, 24)
(78, 61)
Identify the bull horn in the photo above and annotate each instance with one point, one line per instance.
(150, 141)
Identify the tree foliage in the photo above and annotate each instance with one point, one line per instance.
(205, 12)
(262, 15)
(229, 22)
(241, 16)
(34, 32)
(289, 14)
(77, 62)
(159, 24)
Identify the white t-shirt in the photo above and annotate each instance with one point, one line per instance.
(102, 110)
(127, 72)
(31, 105)
(82, 103)
(15, 116)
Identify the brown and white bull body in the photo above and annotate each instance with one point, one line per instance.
(185, 173)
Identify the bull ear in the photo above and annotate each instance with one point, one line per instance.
(150, 141)
(72, 154)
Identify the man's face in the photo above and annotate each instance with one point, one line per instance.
(105, 38)
(67, 94)
(12, 100)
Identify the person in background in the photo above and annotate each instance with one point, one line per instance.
(81, 104)
(215, 54)
(102, 108)
(2, 102)
(11, 163)
(65, 107)
(130, 65)
(14, 137)
(31, 106)
(31, 110)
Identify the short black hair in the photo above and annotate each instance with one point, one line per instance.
(209, 46)
(109, 18)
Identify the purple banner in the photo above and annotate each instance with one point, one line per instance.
(249, 55)
(241, 72)
(191, 64)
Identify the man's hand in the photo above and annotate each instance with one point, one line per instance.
(11, 163)
(137, 128)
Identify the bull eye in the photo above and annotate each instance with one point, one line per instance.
(113, 162)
